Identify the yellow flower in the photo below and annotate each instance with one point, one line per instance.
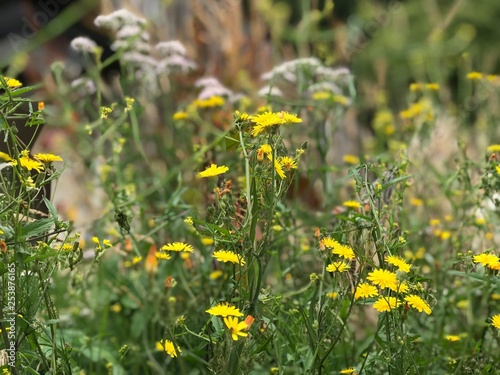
(350, 159)
(4, 156)
(343, 251)
(415, 87)
(236, 327)
(493, 148)
(364, 290)
(47, 158)
(475, 76)
(416, 202)
(452, 338)
(129, 102)
(486, 260)
(383, 278)
(12, 82)
(168, 346)
(241, 116)
(66, 247)
(418, 303)
(215, 274)
(332, 295)
(116, 308)
(180, 116)
(386, 304)
(229, 256)
(207, 241)
(224, 309)
(213, 101)
(279, 169)
(29, 164)
(351, 204)
(495, 321)
(350, 370)
(268, 119)
(178, 246)
(41, 106)
(400, 287)
(432, 86)
(164, 256)
(497, 169)
(398, 262)
(341, 99)
(213, 170)
(434, 222)
(337, 267)
(288, 163)
(105, 111)
(322, 95)
(330, 242)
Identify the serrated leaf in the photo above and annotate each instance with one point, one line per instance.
(36, 228)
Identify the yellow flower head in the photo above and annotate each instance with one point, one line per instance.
(350, 159)
(486, 260)
(343, 251)
(47, 158)
(350, 370)
(29, 164)
(236, 327)
(337, 267)
(213, 170)
(279, 169)
(12, 82)
(365, 290)
(229, 256)
(180, 116)
(418, 303)
(213, 101)
(169, 347)
(475, 76)
(386, 304)
(178, 246)
(383, 278)
(269, 119)
(351, 204)
(164, 256)
(224, 309)
(452, 338)
(493, 148)
(288, 163)
(398, 262)
(495, 321)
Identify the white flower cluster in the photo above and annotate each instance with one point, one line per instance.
(211, 86)
(118, 19)
(83, 44)
(306, 72)
(174, 57)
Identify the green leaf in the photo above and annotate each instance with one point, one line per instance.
(52, 209)
(138, 324)
(37, 227)
(231, 140)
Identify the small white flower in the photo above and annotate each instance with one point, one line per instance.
(83, 44)
(270, 90)
(172, 47)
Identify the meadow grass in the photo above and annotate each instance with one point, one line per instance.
(235, 235)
